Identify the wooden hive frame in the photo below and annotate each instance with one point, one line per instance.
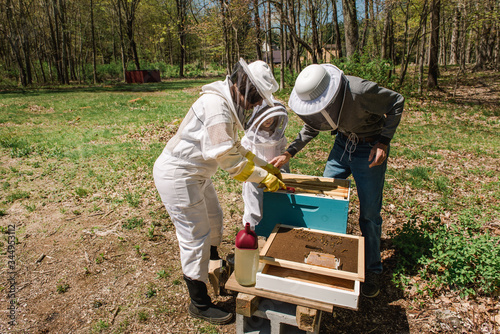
(356, 275)
(334, 188)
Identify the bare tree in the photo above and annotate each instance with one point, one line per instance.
(485, 33)
(350, 27)
(373, 25)
(130, 8)
(270, 59)
(258, 32)
(338, 41)
(181, 6)
(225, 31)
(433, 72)
(414, 41)
(316, 47)
(295, 35)
(122, 42)
(282, 46)
(421, 55)
(387, 33)
(293, 24)
(94, 51)
(16, 36)
(366, 24)
(455, 35)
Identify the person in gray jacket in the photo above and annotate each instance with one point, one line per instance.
(364, 117)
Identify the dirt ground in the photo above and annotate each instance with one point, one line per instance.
(87, 273)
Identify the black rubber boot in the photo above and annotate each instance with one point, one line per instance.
(201, 305)
(371, 286)
(214, 253)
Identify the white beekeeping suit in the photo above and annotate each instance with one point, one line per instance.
(207, 139)
(265, 137)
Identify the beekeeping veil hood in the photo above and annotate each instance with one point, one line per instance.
(255, 82)
(258, 133)
(318, 96)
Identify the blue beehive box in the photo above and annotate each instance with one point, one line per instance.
(318, 203)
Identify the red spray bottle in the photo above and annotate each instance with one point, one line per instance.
(246, 256)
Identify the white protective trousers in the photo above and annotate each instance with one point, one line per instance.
(193, 206)
(206, 139)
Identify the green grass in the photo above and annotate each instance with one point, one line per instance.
(95, 147)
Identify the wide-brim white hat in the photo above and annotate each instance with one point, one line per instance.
(262, 78)
(316, 87)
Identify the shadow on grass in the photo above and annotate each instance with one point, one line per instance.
(165, 85)
(385, 313)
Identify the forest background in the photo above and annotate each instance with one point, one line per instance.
(91, 41)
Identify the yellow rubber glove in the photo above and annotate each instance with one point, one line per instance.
(272, 183)
(264, 165)
(245, 172)
(273, 170)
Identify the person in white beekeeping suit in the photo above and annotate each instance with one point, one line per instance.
(265, 137)
(207, 139)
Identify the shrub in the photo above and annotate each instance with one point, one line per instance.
(366, 67)
(456, 256)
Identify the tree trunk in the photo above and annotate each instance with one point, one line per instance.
(64, 41)
(24, 30)
(54, 34)
(270, 59)
(350, 27)
(282, 48)
(434, 45)
(413, 42)
(122, 40)
(386, 34)
(316, 47)
(374, 33)
(258, 32)
(365, 26)
(484, 40)
(443, 42)
(292, 24)
(225, 32)
(15, 41)
(422, 56)
(130, 7)
(94, 52)
(181, 31)
(455, 36)
(338, 38)
(296, 37)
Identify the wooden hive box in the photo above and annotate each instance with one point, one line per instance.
(320, 203)
(313, 264)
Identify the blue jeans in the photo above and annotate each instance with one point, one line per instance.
(370, 184)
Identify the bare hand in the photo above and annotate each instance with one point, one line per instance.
(280, 160)
(379, 152)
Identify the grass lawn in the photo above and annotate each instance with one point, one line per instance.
(96, 252)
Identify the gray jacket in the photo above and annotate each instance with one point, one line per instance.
(368, 110)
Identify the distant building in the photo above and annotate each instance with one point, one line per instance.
(275, 53)
(330, 52)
